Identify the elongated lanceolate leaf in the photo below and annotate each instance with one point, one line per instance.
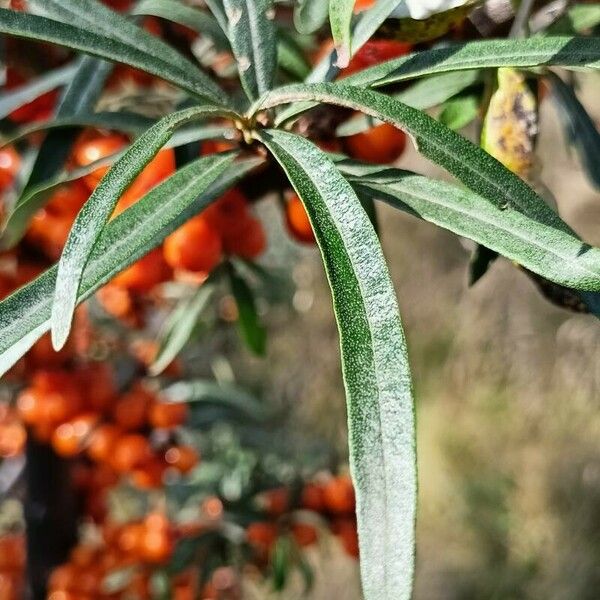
(310, 15)
(367, 24)
(197, 20)
(24, 94)
(96, 211)
(466, 161)
(375, 366)
(567, 52)
(579, 127)
(340, 18)
(25, 315)
(96, 42)
(251, 29)
(549, 252)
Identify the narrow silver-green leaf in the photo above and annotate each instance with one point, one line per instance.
(251, 31)
(375, 366)
(458, 112)
(120, 121)
(197, 20)
(25, 315)
(97, 43)
(35, 196)
(310, 15)
(179, 327)
(579, 127)
(97, 210)
(290, 56)
(467, 162)
(566, 52)
(367, 24)
(549, 252)
(426, 93)
(12, 99)
(340, 19)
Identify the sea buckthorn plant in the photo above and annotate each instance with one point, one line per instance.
(136, 138)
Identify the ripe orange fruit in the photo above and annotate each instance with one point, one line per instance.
(214, 146)
(68, 438)
(297, 221)
(375, 52)
(96, 148)
(130, 451)
(262, 536)
(338, 495)
(345, 530)
(360, 5)
(227, 212)
(150, 475)
(182, 458)
(12, 552)
(145, 273)
(39, 109)
(275, 502)
(102, 441)
(98, 382)
(166, 415)
(10, 162)
(131, 410)
(312, 497)
(12, 439)
(381, 144)
(195, 246)
(304, 534)
(116, 301)
(68, 199)
(250, 242)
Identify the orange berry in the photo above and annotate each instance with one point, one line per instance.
(68, 199)
(131, 410)
(338, 494)
(116, 301)
(62, 578)
(43, 355)
(166, 415)
(129, 452)
(374, 52)
(12, 552)
(275, 502)
(304, 534)
(102, 441)
(214, 146)
(195, 246)
(361, 5)
(345, 530)
(12, 439)
(297, 221)
(129, 538)
(98, 382)
(10, 162)
(250, 241)
(381, 144)
(262, 536)
(83, 555)
(182, 458)
(68, 438)
(157, 543)
(227, 212)
(150, 475)
(312, 497)
(145, 273)
(96, 148)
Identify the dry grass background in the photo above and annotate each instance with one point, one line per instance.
(507, 389)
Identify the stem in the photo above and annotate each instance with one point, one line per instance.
(50, 515)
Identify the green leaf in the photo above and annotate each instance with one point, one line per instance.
(579, 18)
(467, 162)
(290, 56)
(567, 52)
(97, 210)
(197, 20)
(340, 19)
(375, 366)
(367, 24)
(35, 196)
(579, 127)
(202, 391)
(216, 8)
(458, 112)
(179, 327)
(552, 253)
(128, 122)
(310, 15)
(117, 48)
(25, 315)
(251, 30)
(24, 94)
(426, 93)
(251, 329)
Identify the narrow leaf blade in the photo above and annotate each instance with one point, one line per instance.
(340, 18)
(375, 366)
